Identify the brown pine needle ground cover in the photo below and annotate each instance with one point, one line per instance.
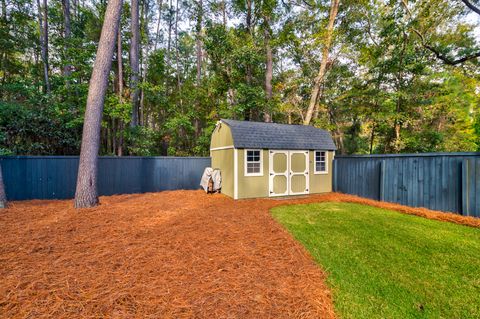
(180, 254)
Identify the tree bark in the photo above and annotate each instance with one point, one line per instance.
(134, 61)
(199, 65)
(199, 41)
(43, 22)
(249, 114)
(157, 36)
(224, 13)
(120, 89)
(120, 65)
(67, 32)
(268, 72)
(144, 62)
(169, 40)
(177, 55)
(4, 55)
(317, 87)
(86, 194)
(471, 6)
(3, 196)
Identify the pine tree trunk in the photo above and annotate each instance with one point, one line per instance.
(86, 194)
(199, 65)
(120, 139)
(134, 61)
(120, 89)
(268, 72)
(157, 36)
(169, 40)
(250, 114)
(317, 87)
(43, 22)
(224, 13)
(67, 32)
(177, 55)
(3, 196)
(144, 63)
(120, 65)
(4, 56)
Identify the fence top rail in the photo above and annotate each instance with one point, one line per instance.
(107, 157)
(440, 154)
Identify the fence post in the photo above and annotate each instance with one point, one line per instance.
(465, 188)
(382, 180)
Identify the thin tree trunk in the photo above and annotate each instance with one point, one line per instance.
(199, 41)
(372, 138)
(398, 123)
(134, 61)
(86, 194)
(3, 196)
(316, 92)
(177, 58)
(120, 139)
(120, 89)
(169, 40)
(224, 13)
(144, 64)
(199, 64)
(249, 114)
(268, 72)
(114, 137)
(120, 65)
(157, 36)
(67, 32)
(249, 17)
(169, 44)
(4, 56)
(43, 22)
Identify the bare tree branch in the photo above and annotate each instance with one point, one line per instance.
(435, 51)
(471, 6)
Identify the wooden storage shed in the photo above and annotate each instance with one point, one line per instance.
(259, 159)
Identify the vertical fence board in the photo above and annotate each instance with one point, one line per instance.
(439, 181)
(54, 177)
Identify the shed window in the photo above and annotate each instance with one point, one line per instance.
(253, 163)
(321, 162)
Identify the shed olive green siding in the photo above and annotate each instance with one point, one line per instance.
(221, 137)
(223, 160)
(258, 186)
(252, 186)
(321, 183)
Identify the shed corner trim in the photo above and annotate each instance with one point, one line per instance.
(235, 173)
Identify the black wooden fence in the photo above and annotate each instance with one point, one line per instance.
(54, 177)
(440, 181)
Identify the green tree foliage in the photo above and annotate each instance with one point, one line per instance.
(389, 86)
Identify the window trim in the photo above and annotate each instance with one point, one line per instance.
(315, 162)
(245, 162)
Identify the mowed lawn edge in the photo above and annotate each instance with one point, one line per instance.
(385, 264)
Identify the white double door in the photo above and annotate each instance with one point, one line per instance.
(288, 173)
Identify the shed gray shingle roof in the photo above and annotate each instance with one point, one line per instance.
(279, 136)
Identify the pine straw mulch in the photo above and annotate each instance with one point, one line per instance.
(178, 254)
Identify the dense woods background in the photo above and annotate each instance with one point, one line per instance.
(382, 76)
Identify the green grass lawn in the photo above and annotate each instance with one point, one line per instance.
(383, 264)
